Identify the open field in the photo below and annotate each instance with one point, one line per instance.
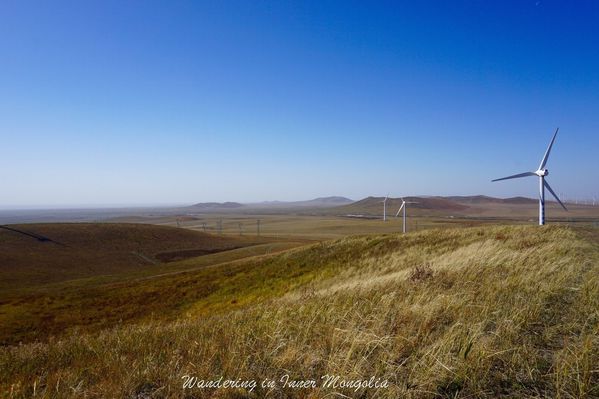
(476, 312)
(365, 216)
(323, 227)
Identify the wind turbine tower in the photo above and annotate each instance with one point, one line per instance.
(403, 206)
(541, 172)
(385, 208)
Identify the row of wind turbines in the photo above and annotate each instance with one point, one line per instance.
(542, 172)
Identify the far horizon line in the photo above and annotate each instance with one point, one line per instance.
(66, 207)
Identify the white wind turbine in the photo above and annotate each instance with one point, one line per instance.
(385, 208)
(403, 206)
(541, 173)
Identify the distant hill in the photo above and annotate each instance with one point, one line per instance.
(321, 202)
(270, 206)
(373, 206)
(217, 205)
(473, 199)
(332, 200)
(483, 199)
(475, 205)
(522, 200)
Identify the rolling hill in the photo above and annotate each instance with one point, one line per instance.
(505, 311)
(373, 206)
(483, 199)
(80, 250)
(477, 206)
(215, 206)
(321, 202)
(269, 207)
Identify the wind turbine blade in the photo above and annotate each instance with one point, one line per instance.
(544, 160)
(516, 176)
(399, 210)
(548, 187)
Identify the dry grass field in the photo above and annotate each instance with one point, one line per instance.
(323, 227)
(334, 222)
(503, 311)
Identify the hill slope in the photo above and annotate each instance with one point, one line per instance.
(78, 250)
(483, 199)
(210, 206)
(481, 312)
(373, 206)
(321, 202)
(467, 206)
(268, 206)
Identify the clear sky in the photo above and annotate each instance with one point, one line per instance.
(149, 102)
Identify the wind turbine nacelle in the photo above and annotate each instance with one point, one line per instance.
(542, 172)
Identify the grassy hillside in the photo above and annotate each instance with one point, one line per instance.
(480, 312)
(91, 276)
(80, 250)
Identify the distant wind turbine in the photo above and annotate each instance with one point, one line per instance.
(403, 206)
(385, 208)
(541, 173)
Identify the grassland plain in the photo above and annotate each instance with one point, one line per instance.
(326, 227)
(507, 311)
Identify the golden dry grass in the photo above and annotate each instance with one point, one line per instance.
(505, 311)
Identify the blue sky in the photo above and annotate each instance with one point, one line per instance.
(125, 102)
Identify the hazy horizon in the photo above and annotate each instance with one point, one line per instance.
(67, 207)
(138, 104)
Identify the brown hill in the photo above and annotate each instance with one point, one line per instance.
(373, 206)
(79, 250)
(521, 201)
(216, 205)
(483, 199)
